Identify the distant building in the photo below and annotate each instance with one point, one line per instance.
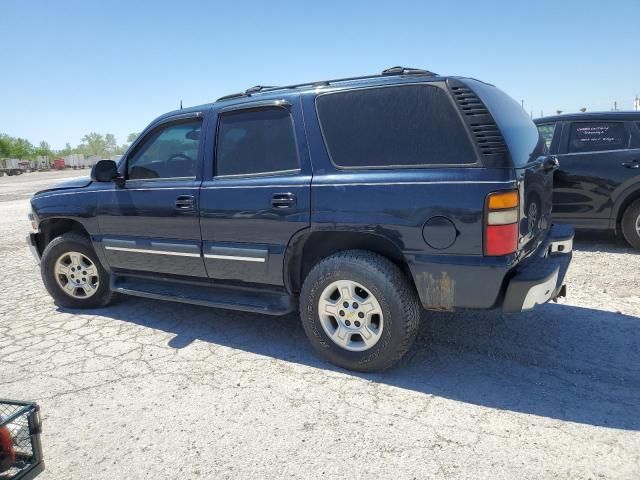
(636, 104)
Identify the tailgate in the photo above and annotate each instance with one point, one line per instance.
(526, 154)
(535, 183)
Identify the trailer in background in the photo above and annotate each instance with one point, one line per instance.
(41, 163)
(91, 161)
(75, 161)
(58, 164)
(10, 166)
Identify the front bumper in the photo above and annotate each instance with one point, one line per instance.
(32, 242)
(541, 278)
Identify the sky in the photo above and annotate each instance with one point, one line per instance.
(72, 67)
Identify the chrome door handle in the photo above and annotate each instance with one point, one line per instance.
(283, 200)
(631, 164)
(185, 202)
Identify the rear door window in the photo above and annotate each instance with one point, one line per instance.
(408, 126)
(597, 136)
(257, 141)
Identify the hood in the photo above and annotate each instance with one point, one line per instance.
(70, 183)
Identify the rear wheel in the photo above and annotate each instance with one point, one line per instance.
(631, 224)
(72, 273)
(359, 310)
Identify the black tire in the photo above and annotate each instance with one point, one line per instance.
(73, 242)
(629, 220)
(391, 288)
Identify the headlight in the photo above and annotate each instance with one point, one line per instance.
(34, 222)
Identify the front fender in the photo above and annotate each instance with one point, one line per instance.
(55, 212)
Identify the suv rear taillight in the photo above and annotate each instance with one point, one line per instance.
(501, 223)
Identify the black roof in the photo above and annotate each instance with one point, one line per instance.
(590, 116)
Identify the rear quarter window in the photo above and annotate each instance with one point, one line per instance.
(399, 126)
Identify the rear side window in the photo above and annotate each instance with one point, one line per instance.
(597, 136)
(546, 132)
(393, 126)
(256, 141)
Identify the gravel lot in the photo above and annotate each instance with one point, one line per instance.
(153, 390)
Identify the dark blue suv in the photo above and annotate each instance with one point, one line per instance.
(356, 200)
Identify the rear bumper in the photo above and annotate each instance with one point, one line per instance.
(485, 283)
(32, 243)
(541, 278)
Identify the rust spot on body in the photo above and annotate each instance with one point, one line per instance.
(438, 293)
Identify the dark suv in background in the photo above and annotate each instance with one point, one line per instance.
(355, 200)
(598, 183)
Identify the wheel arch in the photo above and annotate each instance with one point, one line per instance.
(629, 196)
(309, 247)
(53, 227)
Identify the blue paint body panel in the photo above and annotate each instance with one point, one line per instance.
(237, 231)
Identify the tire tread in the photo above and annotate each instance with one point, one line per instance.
(391, 274)
(99, 299)
(629, 217)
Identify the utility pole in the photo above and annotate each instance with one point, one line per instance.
(615, 106)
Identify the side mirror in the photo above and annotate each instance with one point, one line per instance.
(193, 135)
(104, 171)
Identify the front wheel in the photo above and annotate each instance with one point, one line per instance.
(359, 310)
(631, 224)
(73, 274)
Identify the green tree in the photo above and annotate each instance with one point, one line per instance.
(93, 144)
(6, 145)
(132, 137)
(22, 149)
(43, 149)
(110, 144)
(67, 150)
(121, 149)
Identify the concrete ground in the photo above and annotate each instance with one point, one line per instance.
(148, 389)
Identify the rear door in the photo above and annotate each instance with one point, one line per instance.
(256, 193)
(528, 155)
(595, 157)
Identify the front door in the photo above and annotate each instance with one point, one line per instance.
(151, 223)
(256, 194)
(593, 155)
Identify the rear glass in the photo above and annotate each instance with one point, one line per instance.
(407, 126)
(597, 136)
(515, 124)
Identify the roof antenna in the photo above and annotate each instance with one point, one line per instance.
(180, 104)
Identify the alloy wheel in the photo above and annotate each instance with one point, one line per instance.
(76, 275)
(350, 315)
